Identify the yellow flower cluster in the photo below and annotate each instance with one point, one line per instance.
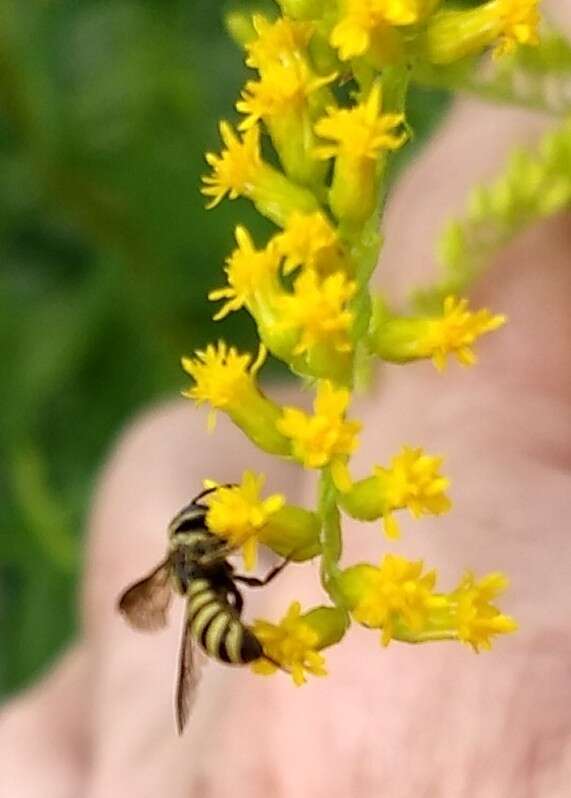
(453, 332)
(292, 644)
(412, 481)
(326, 105)
(325, 438)
(237, 514)
(398, 598)
(387, 31)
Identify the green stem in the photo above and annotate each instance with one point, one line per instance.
(365, 246)
(330, 538)
(433, 636)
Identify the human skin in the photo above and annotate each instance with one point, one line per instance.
(406, 721)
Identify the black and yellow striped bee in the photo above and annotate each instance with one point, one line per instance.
(196, 567)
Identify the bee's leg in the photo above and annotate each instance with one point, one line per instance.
(253, 581)
(235, 598)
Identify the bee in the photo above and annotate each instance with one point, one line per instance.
(196, 566)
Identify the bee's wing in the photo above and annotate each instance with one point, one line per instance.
(188, 677)
(145, 603)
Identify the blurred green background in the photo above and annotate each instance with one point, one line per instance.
(107, 253)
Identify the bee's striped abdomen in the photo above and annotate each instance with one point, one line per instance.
(216, 628)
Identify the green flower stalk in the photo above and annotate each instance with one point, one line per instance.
(308, 291)
(534, 186)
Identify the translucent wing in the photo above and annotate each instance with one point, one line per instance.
(188, 676)
(145, 604)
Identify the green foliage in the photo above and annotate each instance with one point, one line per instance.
(107, 254)
(535, 185)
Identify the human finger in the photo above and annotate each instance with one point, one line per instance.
(156, 469)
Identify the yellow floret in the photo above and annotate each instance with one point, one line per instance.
(394, 594)
(282, 41)
(221, 373)
(238, 514)
(280, 89)
(361, 132)
(291, 644)
(477, 619)
(520, 24)
(413, 481)
(309, 240)
(324, 438)
(455, 332)
(318, 308)
(249, 271)
(236, 168)
(362, 20)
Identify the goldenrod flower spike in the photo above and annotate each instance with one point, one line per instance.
(358, 136)
(413, 481)
(325, 438)
(226, 380)
(295, 642)
(251, 273)
(308, 292)
(401, 340)
(238, 514)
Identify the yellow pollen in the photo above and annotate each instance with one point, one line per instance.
(361, 132)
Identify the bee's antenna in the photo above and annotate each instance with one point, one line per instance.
(207, 491)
